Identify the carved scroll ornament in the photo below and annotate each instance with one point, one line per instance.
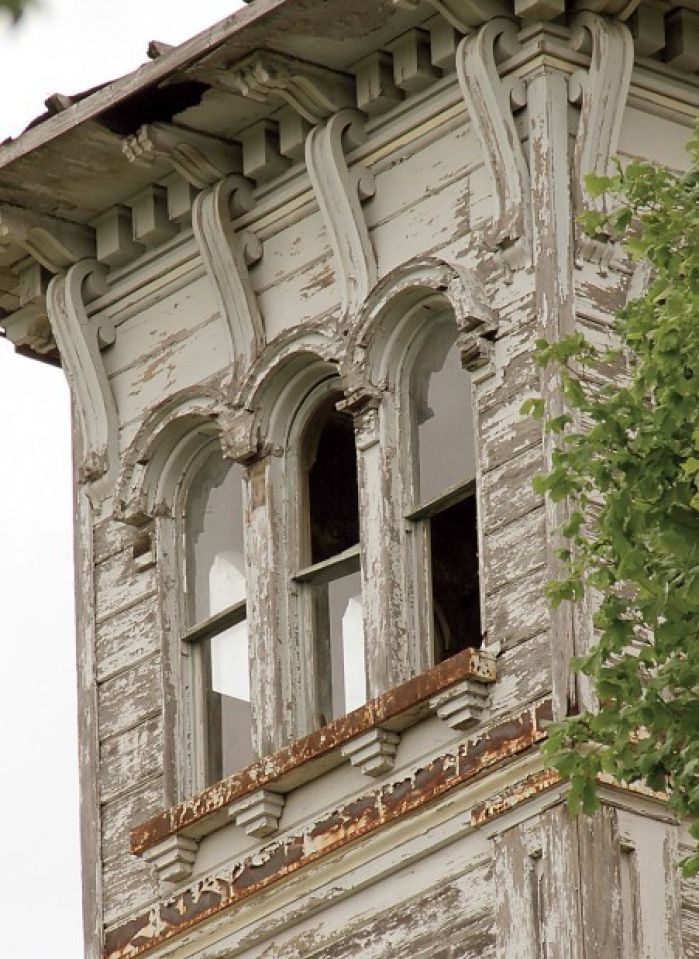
(55, 243)
(488, 99)
(80, 341)
(601, 92)
(226, 255)
(201, 159)
(339, 192)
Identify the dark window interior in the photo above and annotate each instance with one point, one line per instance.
(332, 485)
(454, 555)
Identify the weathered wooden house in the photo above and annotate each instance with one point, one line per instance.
(294, 270)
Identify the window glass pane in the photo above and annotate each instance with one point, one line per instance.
(440, 393)
(332, 483)
(214, 539)
(455, 598)
(340, 645)
(230, 738)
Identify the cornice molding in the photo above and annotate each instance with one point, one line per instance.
(226, 255)
(201, 159)
(55, 243)
(339, 192)
(489, 102)
(80, 341)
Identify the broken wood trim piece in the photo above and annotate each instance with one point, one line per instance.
(411, 791)
(200, 158)
(339, 193)
(258, 813)
(313, 91)
(463, 705)
(374, 752)
(56, 244)
(303, 760)
(226, 255)
(173, 859)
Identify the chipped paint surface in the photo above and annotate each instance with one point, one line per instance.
(358, 818)
(395, 705)
(431, 164)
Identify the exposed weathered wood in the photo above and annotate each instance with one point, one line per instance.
(130, 698)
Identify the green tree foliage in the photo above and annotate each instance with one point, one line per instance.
(627, 462)
(15, 8)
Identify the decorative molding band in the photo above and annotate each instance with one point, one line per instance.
(80, 341)
(489, 99)
(465, 15)
(410, 791)
(201, 159)
(313, 91)
(56, 244)
(339, 192)
(601, 92)
(226, 256)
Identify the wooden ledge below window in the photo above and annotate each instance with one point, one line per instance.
(319, 752)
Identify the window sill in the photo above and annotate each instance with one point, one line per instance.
(322, 750)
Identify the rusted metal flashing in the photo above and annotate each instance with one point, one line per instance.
(360, 817)
(395, 710)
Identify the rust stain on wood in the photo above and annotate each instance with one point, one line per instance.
(271, 769)
(360, 817)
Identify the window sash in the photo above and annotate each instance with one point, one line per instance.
(217, 623)
(437, 505)
(330, 569)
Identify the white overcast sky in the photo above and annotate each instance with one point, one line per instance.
(63, 46)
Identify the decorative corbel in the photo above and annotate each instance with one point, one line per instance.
(601, 93)
(465, 15)
(313, 91)
(226, 256)
(80, 341)
(201, 159)
(339, 192)
(28, 326)
(239, 435)
(478, 325)
(489, 100)
(55, 243)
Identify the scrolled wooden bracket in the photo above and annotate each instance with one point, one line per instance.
(465, 15)
(55, 243)
(80, 341)
(489, 101)
(313, 91)
(198, 157)
(601, 93)
(339, 192)
(226, 255)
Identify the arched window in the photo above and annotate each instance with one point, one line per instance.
(217, 630)
(442, 501)
(329, 574)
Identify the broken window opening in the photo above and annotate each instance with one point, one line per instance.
(443, 501)
(218, 634)
(330, 545)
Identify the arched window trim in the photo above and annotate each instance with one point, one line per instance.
(304, 575)
(412, 333)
